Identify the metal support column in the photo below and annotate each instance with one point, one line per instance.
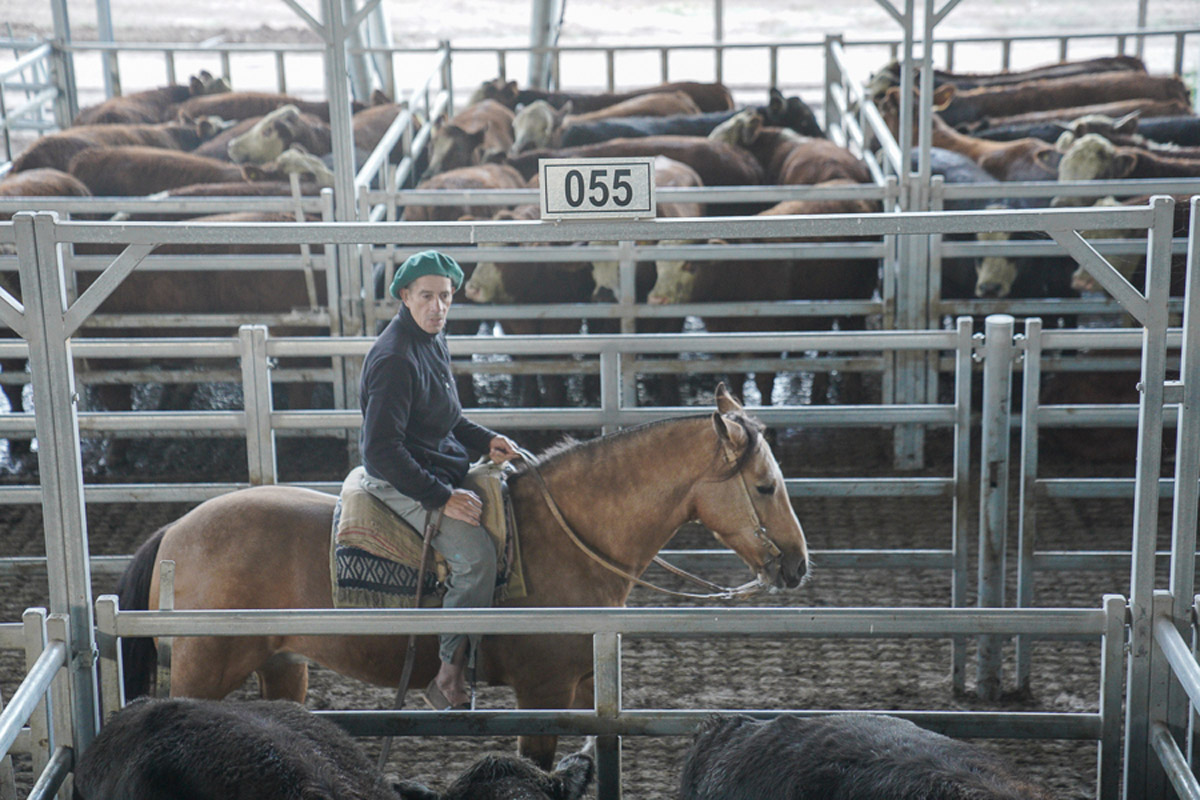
(47, 331)
(66, 105)
(541, 35)
(993, 490)
(607, 681)
(1027, 504)
(1143, 776)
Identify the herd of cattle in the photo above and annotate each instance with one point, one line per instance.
(161, 749)
(1082, 120)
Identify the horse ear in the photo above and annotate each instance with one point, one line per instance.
(729, 431)
(726, 401)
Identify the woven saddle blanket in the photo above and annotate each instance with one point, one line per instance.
(375, 556)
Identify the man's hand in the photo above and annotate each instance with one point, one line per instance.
(502, 449)
(464, 506)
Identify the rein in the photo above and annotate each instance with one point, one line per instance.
(716, 590)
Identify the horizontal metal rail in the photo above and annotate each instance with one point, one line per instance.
(1174, 762)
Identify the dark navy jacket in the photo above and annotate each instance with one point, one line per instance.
(414, 434)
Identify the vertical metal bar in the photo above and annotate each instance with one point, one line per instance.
(610, 69)
(832, 77)
(664, 62)
(1062, 49)
(773, 67)
(57, 427)
(1006, 55)
(1027, 490)
(1121, 45)
(1187, 478)
(66, 103)
(1179, 37)
(1141, 23)
(719, 22)
(719, 64)
(1187, 435)
(993, 490)
(280, 73)
(169, 59)
(961, 509)
(40, 735)
(166, 602)
(112, 692)
(62, 717)
(1162, 685)
(610, 388)
(1112, 656)
(1142, 777)
(257, 407)
(626, 301)
(607, 682)
(950, 56)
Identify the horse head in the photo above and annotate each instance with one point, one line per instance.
(746, 503)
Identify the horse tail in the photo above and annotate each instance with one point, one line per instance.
(138, 654)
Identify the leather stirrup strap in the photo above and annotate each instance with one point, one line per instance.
(432, 523)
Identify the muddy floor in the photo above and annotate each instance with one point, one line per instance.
(747, 673)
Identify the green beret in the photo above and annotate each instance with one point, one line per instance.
(427, 262)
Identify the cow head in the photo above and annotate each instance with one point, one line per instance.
(791, 113)
(741, 129)
(204, 83)
(452, 147)
(267, 138)
(994, 275)
(1091, 158)
(538, 126)
(295, 160)
(506, 777)
(207, 127)
(889, 105)
(496, 89)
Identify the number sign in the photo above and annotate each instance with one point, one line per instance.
(597, 188)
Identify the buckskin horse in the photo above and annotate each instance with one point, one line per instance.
(623, 494)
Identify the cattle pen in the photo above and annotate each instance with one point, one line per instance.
(922, 367)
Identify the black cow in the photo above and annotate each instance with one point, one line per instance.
(164, 749)
(512, 778)
(779, 112)
(842, 756)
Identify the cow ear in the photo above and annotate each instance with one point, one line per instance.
(378, 98)
(566, 109)
(1124, 164)
(751, 130)
(942, 96)
(195, 85)
(1127, 124)
(775, 103)
(1048, 160)
(1064, 141)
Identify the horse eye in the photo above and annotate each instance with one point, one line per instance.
(770, 489)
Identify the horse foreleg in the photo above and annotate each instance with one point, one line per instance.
(284, 676)
(541, 749)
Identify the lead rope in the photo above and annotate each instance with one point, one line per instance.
(720, 592)
(432, 523)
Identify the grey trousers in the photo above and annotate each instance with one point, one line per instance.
(469, 552)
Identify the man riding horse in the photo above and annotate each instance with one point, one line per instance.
(414, 444)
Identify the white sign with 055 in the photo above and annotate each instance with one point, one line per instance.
(597, 188)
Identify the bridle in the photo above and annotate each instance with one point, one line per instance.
(716, 591)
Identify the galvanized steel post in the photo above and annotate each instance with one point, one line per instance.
(606, 677)
(57, 424)
(1143, 778)
(993, 489)
(1027, 490)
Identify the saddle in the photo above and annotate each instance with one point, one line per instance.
(375, 556)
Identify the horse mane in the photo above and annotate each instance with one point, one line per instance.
(571, 447)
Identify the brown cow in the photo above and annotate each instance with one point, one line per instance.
(55, 150)
(1003, 101)
(42, 182)
(541, 125)
(241, 105)
(1092, 158)
(717, 163)
(708, 96)
(889, 76)
(1141, 107)
(1019, 160)
(132, 170)
(750, 281)
(470, 137)
(278, 131)
(151, 105)
(481, 176)
(787, 157)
